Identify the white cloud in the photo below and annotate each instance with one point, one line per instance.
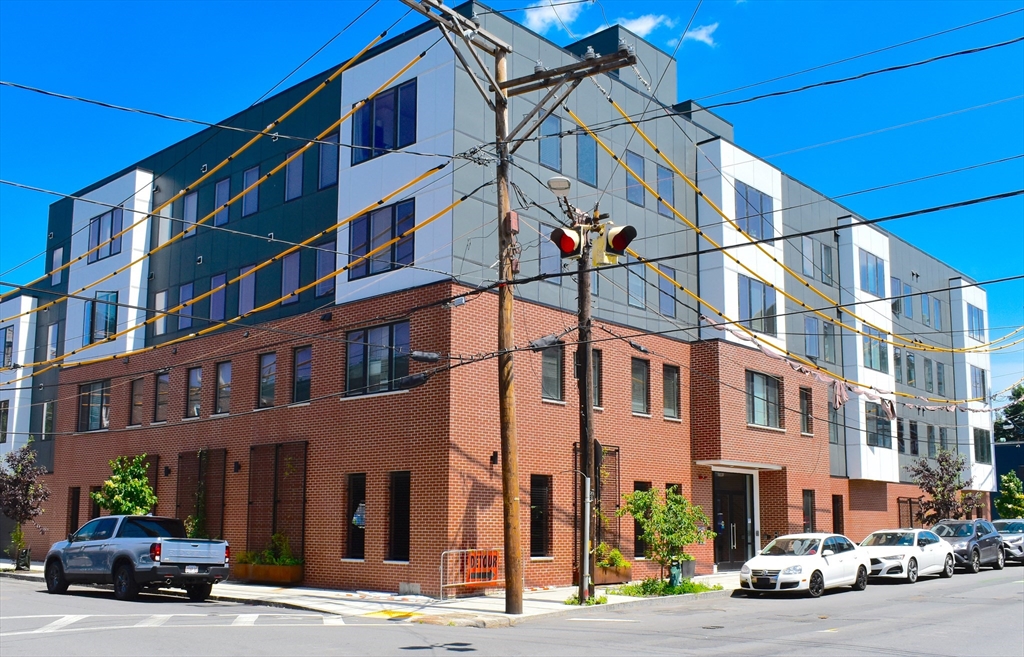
(644, 25)
(703, 33)
(541, 16)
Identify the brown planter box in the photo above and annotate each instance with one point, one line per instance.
(264, 574)
(613, 575)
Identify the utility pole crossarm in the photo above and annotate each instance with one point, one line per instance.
(577, 70)
(450, 19)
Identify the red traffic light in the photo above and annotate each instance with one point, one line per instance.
(569, 241)
(618, 238)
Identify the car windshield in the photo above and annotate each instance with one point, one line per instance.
(889, 539)
(792, 547)
(1009, 526)
(954, 529)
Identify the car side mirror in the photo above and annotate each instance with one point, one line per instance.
(827, 553)
(922, 543)
(71, 538)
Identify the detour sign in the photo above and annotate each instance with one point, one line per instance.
(481, 567)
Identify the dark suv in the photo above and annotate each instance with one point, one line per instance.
(976, 543)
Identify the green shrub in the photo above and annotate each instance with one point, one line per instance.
(609, 557)
(278, 554)
(591, 601)
(654, 587)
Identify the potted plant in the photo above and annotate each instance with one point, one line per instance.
(612, 567)
(274, 565)
(668, 523)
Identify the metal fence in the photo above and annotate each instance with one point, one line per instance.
(471, 569)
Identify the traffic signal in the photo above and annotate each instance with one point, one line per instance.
(617, 238)
(569, 241)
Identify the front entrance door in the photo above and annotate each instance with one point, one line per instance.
(734, 519)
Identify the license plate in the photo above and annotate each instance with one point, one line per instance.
(191, 570)
(764, 581)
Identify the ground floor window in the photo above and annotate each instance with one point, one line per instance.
(540, 515)
(398, 522)
(809, 524)
(355, 527)
(639, 545)
(837, 514)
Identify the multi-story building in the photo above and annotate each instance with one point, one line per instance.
(299, 416)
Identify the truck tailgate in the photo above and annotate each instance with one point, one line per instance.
(193, 551)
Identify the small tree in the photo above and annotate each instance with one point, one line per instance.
(1009, 425)
(127, 492)
(1010, 503)
(944, 486)
(22, 494)
(668, 523)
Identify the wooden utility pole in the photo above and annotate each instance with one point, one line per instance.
(584, 374)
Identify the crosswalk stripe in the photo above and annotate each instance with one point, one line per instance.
(334, 620)
(244, 620)
(59, 623)
(156, 620)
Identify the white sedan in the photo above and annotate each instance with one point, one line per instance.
(908, 553)
(806, 562)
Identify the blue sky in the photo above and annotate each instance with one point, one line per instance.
(961, 112)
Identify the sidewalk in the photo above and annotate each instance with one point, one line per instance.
(481, 611)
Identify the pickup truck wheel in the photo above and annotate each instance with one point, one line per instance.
(125, 586)
(199, 592)
(55, 581)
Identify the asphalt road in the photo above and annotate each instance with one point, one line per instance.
(967, 615)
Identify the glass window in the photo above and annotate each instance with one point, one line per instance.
(763, 400)
(872, 273)
(371, 233)
(811, 336)
(293, 178)
(667, 292)
(385, 123)
(895, 288)
(636, 288)
(56, 261)
(355, 544)
(378, 358)
(830, 343)
(268, 380)
(329, 161)
(809, 514)
(641, 373)
(757, 305)
(807, 261)
(926, 310)
(7, 342)
(908, 301)
(901, 441)
(189, 214)
(550, 257)
(754, 214)
(218, 297)
(979, 386)
(94, 406)
(251, 200)
(223, 388)
(52, 340)
(982, 446)
(246, 290)
(163, 384)
(102, 230)
(806, 411)
(290, 277)
(940, 377)
(597, 375)
(540, 515)
(833, 425)
(932, 447)
(875, 352)
(911, 370)
(976, 323)
(100, 317)
(326, 260)
(164, 225)
(222, 194)
(877, 426)
(303, 374)
(670, 381)
(135, 418)
(943, 439)
(897, 364)
(48, 419)
(826, 265)
(634, 190)
(929, 384)
(586, 159)
(185, 314)
(400, 493)
(195, 392)
(551, 373)
(914, 447)
(666, 190)
(937, 313)
(551, 143)
(5, 414)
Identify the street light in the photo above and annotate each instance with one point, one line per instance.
(560, 185)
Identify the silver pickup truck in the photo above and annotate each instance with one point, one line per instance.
(133, 552)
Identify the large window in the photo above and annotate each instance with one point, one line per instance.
(217, 308)
(160, 394)
(377, 358)
(94, 406)
(540, 515)
(754, 212)
(811, 337)
(100, 317)
(586, 159)
(830, 342)
(872, 273)
(268, 380)
(551, 143)
(875, 351)
(877, 426)
(290, 277)
(195, 392)
(246, 290)
(982, 446)
(326, 260)
(135, 414)
(399, 516)
(641, 377)
(634, 190)
(302, 373)
(666, 190)
(550, 257)
(189, 214)
(223, 404)
(329, 161)
(185, 295)
(667, 292)
(763, 400)
(979, 387)
(807, 256)
(806, 411)
(371, 231)
(101, 230)
(385, 123)
(355, 545)
(929, 383)
(636, 289)
(826, 265)
(911, 370)
(551, 373)
(670, 381)
(757, 305)
(976, 323)
(293, 178)
(251, 201)
(222, 194)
